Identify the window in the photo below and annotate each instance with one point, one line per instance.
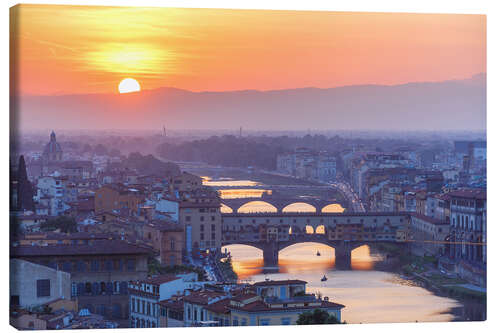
(213, 218)
(172, 244)
(188, 218)
(117, 265)
(130, 265)
(14, 300)
(213, 235)
(95, 266)
(43, 288)
(264, 322)
(202, 228)
(285, 321)
(80, 266)
(213, 227)
(202, 218)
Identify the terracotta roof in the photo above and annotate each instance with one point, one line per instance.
(278, 282)
(261, 306)
(165, 226)
(429, 219)
(219, 306)
(98, 247)
(202, 297)
(243, 296)
(177, 304)
(160, 279)
(469, 194)
(60, 235)
(189, 204)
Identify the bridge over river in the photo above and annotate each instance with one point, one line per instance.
(280, 204)
(272, 232)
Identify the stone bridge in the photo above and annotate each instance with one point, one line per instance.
(272, 232)
(280, 204)
(270, 249)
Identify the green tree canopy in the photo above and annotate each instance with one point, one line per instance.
(63, 223)
(317, 317)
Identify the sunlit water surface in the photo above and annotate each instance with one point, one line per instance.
(370, 296)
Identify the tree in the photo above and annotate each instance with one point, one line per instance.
(317, 317)
(63, 223)
(24, 188)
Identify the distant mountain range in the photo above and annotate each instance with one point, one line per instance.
(448, 105)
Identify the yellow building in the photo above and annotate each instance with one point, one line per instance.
(117, 196)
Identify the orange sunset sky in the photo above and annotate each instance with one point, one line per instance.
(78, 50)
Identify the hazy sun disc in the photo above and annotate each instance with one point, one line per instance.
(128, 85)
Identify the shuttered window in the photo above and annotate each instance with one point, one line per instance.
(43, 288)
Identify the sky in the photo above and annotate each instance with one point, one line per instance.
(59, 50)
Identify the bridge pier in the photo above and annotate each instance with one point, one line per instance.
(270, 252)
(343, 256)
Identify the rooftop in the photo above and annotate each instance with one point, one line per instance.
(98, 247)
(278, 282)
(469, 194)
(429, 219)
(203, 297)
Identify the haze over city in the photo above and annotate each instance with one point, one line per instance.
(290, 70)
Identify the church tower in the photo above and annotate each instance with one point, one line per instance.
(53, 151)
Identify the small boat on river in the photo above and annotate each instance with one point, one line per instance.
(318, 254)
(324, 278)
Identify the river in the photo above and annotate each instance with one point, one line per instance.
(369, 295)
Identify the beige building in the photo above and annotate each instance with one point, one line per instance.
(167, 238)
(100, 271)
(199, 213)
(185, 182)
(428, 235)
(115, 197)
(33, 284)
(265, 303)
(24, 320)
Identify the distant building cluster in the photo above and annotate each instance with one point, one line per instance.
(308, 164)
(98, 243)
(444, 191)
(86, 232)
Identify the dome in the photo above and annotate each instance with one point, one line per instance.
(52, 148)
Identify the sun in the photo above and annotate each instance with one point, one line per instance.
(129, 85)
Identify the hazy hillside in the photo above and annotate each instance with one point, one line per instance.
(456, 104)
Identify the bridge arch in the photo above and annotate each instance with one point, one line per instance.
(257, 206)
(299, 207)
(225, 208)
(333, 208)
(308, 242)
(309, 229)
(320, 229)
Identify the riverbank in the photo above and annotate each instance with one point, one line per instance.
(424, 271)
